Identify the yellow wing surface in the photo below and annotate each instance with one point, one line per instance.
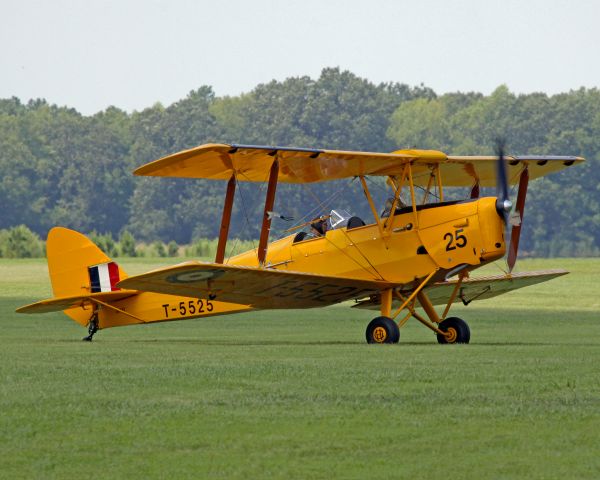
(258, 288)
(303, 165)
(268, 288)
(64, 303)
(479, 288)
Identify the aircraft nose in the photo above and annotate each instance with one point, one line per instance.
(492, 227)
(503, 207)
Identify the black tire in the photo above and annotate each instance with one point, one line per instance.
(382, 330)
(457, 327)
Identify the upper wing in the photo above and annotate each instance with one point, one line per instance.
(479, 288)
(260, 288)
(466, 171)
(303, 165)
(252, 163)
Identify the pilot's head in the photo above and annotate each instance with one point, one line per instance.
(319, 226)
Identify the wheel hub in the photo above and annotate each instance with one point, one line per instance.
(451, 335)
(379, 334)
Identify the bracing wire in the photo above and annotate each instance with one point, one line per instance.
(364, 256)
(316, 209)
(239, 187)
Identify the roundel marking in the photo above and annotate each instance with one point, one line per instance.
(194, 276)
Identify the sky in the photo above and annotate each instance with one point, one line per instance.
(133, 53)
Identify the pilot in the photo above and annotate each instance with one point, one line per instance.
(318, 227)
(388, 206)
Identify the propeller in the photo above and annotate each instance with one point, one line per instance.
(504, 205)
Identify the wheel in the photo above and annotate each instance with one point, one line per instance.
(458, 330)
(382, 330)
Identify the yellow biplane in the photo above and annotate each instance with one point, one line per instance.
(419, 251)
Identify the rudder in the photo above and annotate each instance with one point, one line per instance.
(77, 266)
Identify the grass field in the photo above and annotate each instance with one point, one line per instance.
(299, 394)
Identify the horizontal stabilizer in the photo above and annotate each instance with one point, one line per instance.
(64, 303)
(257, 287)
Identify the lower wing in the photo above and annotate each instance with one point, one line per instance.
(257, 287)
(478, 288)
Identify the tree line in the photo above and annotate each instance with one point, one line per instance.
(58, 167)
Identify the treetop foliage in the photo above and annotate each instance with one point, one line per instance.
(58, 167)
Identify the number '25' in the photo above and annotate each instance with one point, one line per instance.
(456, 240)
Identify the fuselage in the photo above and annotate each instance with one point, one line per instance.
(440, 237)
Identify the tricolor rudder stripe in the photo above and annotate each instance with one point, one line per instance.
(104, 277)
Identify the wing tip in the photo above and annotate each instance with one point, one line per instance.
(153, 168)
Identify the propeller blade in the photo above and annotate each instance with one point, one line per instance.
(503, 203)
(513, 249)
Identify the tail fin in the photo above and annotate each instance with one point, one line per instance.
(77, 266)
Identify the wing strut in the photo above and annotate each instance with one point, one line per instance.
(372, 205)
(269, 202)
(225, 220)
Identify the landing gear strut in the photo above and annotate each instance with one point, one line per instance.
(92, 327)
(384, 329)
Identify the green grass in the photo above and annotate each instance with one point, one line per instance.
(298, 394)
